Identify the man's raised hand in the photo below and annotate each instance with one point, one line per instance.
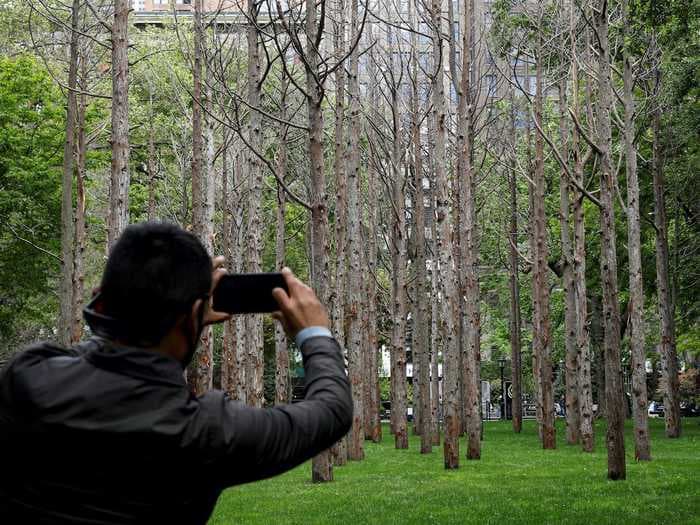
(211, 316)
(299, 307)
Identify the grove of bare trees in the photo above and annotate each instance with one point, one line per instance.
(458, 181)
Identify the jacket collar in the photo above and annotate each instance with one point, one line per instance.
(135, 362)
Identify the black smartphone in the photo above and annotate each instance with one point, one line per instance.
(248, 293)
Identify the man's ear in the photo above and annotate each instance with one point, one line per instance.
(194, 315)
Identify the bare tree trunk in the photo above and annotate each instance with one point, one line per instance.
(669, 358)
(118, 213)
(322, 469)
(434, 371)
(540, 286)
(79, 238)
(608, 256)
(457, 104)
(444, 252)
(573, 424)
(436, 338)
(354, 303)
(240, 335)
(67, 225)
(200, 374)
(254, 226)
(373, 423)
(228, 348)
(151, 162)
(420, 346)
(205, 355)
(339, 165)
(339, 451)
(536, 369)
(634, 247)
(282, 386)
(468, 247)
(399, 298)
(197, 371)
(282, 382)
(515, 337)
(579, 261)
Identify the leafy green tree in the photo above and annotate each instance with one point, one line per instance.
(31, 138)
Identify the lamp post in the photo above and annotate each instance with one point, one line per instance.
(502, 364)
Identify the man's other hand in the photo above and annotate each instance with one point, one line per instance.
(299, 307)
(211, 316)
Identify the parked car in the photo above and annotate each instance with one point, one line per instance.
(530, 410)
(385, 411)
(689, 409)
(656, 409)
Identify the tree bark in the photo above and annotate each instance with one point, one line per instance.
(254, 226)
(206, 348)
(118, 212)
(468, 248)
(228, 348)
(151, 162)
(67, 226)
(436, 336)
(579, 261)
(282, 384)
(399, 261)
(669, 358)
(199, 373)
(338, 297)
(354, 303)
(536, 370)
(540, 286)
(642, 450)
(282, 379)
(321, 468)
(444, 254)
(573, 424)
(515, 336)
(420, 346)
(240, 334)
(339, 165)
(608, 255)
(373, 428)
(80, 233)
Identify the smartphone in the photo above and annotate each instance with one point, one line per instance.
(248, 293)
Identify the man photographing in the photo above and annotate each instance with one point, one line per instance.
(108, 431)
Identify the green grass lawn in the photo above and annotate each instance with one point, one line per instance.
(514, 482)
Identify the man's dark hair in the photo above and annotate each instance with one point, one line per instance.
(154, 274)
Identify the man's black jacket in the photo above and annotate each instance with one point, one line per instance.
(107, 434)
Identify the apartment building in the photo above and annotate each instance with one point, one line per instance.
(156, 6)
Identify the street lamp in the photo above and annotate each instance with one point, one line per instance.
(502, 364)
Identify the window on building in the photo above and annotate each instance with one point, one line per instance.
(491, 85)
(533, 85)
(527, 83)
